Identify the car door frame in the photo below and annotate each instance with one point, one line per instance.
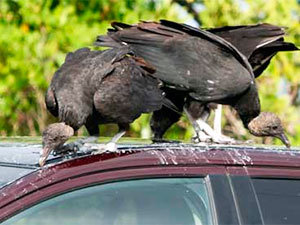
(214, 175)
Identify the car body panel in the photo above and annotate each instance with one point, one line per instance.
(30, 195)
(140, 161)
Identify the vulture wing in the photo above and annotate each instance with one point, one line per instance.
(194, 60)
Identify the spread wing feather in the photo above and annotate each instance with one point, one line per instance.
(186, 59)
(250, 37)
(259, 43)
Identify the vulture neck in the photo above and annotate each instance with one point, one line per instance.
(248, 105)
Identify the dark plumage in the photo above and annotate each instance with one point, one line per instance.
(203, 66)
(259, 43)
(97, 87)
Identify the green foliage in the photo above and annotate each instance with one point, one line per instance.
(36, 35)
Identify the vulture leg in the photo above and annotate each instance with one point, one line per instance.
(200, 127)
(201, 136)
(111, 146)
(165, 117)
(217, 123)
(218, 119)
(160, 123)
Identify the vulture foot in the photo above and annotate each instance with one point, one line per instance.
(206, 134)
(73, 147)
(111, 146)
(201, 137)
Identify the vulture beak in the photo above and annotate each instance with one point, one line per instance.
(44, 155)
(284, 139)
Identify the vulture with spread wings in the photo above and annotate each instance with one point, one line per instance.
(200, 66)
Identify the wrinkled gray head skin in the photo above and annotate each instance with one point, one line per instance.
(54, 136)
(268, 124)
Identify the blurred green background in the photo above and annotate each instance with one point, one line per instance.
(35, 36)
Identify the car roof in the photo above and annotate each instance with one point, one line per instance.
(21, 158)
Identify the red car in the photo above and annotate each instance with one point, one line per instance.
(151, 184)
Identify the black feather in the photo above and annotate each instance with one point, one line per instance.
(97, 87)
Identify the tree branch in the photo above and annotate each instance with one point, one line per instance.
(190, 9)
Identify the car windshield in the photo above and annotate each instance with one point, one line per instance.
(17, 160)
(137, 202)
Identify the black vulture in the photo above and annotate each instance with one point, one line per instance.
(259, 43)
(98, 87)
(201, 65)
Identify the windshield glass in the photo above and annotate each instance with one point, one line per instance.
(279, 200)
(9, 174)
(162, 201)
